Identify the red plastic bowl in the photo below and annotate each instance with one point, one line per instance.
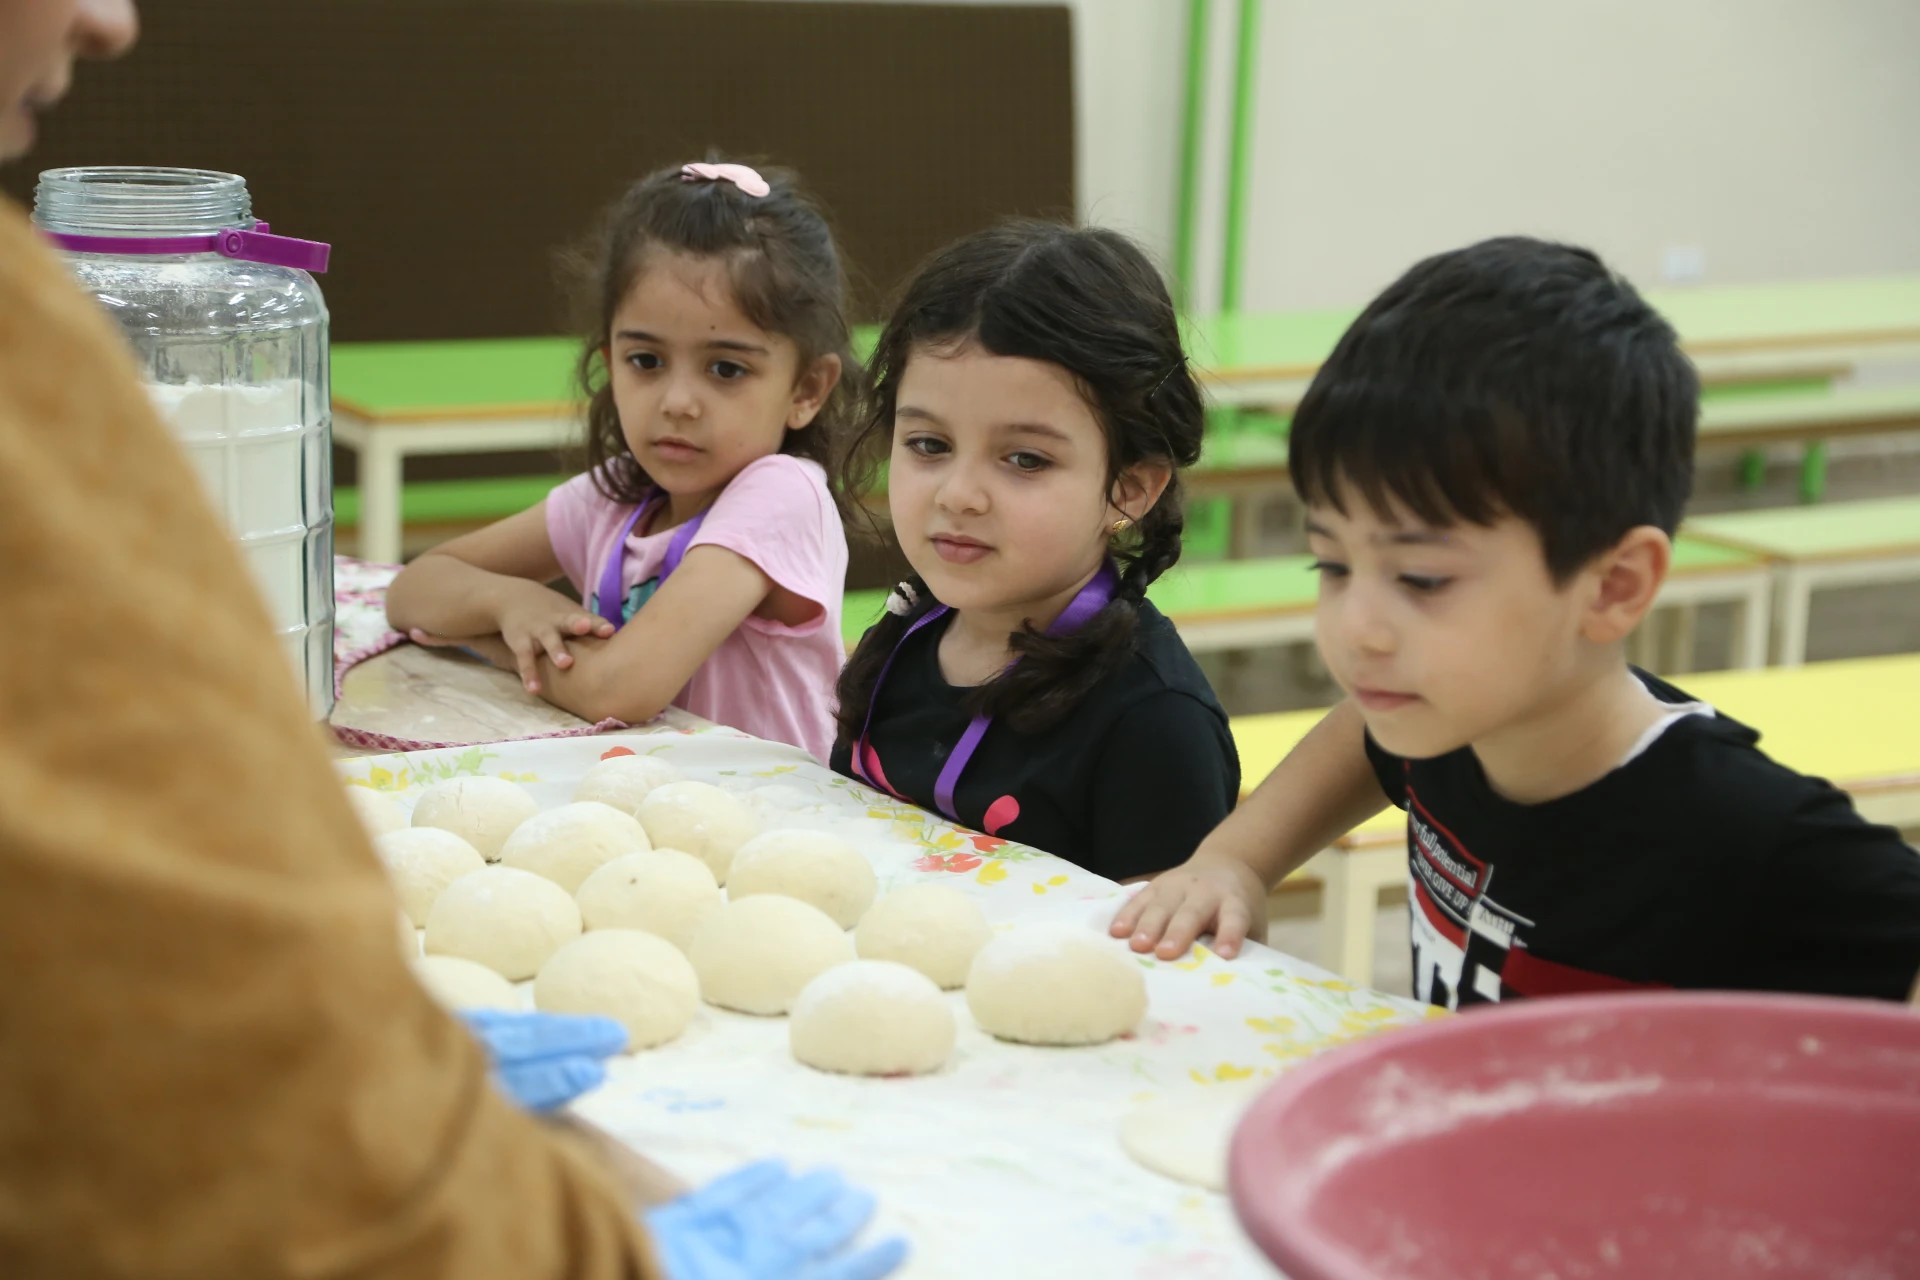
(1646, 1136)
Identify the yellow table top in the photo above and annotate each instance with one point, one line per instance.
(1855, 722)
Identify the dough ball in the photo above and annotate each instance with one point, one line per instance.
(461, 984)
(664, 892)
(1056, 984)
(568, 844)
(408, 935)
(809, 865)
(756, 954)
(639, 980)
(931, 927)
(504, 918)
(481, 811)
(422, 862)
(1185, 1136)
(701, 819)
(625, 781)
(872, 1018)
(377, 814)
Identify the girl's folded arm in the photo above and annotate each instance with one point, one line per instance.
(634, 675)
(455, 589)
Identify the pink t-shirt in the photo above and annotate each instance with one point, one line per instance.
(767, 679)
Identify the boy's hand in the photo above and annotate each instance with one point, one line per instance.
(1224, 897)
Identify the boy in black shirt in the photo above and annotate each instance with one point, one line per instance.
(1494, 460)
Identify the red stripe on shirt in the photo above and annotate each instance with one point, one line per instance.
(1526, 974)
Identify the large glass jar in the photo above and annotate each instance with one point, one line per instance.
(232, 330)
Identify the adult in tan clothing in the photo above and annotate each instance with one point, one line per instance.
(213, 1059)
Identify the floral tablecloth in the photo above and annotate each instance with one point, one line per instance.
(1006, 1163)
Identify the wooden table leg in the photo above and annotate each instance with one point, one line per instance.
(380, 463)
(1792, 603)
(1752, 621)
(1350, 899)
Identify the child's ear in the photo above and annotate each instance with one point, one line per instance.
(1139, 487)
(810, 391)
(1627, 577)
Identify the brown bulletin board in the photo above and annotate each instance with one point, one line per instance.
(448, 148)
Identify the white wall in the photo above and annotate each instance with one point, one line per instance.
(1779, 138)
(1129, 78)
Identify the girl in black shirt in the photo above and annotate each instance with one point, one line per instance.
(1033, 408)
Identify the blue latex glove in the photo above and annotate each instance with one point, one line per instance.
(545, 1060)
(764, 1223)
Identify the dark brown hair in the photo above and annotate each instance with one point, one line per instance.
(1514, 376)
(1090, 302)
(786, 277)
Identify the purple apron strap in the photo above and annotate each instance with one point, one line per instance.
(957, 761)
(610, 603)
(611, 599)
(1090, 600)
(678, 544)
(860, 743)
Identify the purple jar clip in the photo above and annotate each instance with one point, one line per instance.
(245, 245)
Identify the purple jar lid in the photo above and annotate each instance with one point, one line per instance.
(254, 245)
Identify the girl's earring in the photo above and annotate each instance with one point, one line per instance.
(1121, 525)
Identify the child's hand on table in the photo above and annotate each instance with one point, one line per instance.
(1223, 897)
(532, 619)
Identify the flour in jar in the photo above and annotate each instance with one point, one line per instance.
(246, 441)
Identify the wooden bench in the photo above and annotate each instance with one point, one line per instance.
(452, 503)
(395, 400)
(1251, 604)
(1838, 544)
(1856, 723)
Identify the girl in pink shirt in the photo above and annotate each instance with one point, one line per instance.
(703, 540)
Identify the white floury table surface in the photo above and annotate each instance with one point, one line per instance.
(1007, 1162)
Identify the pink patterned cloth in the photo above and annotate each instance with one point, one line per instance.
(360, 627)
(360, 631)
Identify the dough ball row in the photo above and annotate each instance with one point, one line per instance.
(613, 905)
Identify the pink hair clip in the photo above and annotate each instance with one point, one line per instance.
(738, 174)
